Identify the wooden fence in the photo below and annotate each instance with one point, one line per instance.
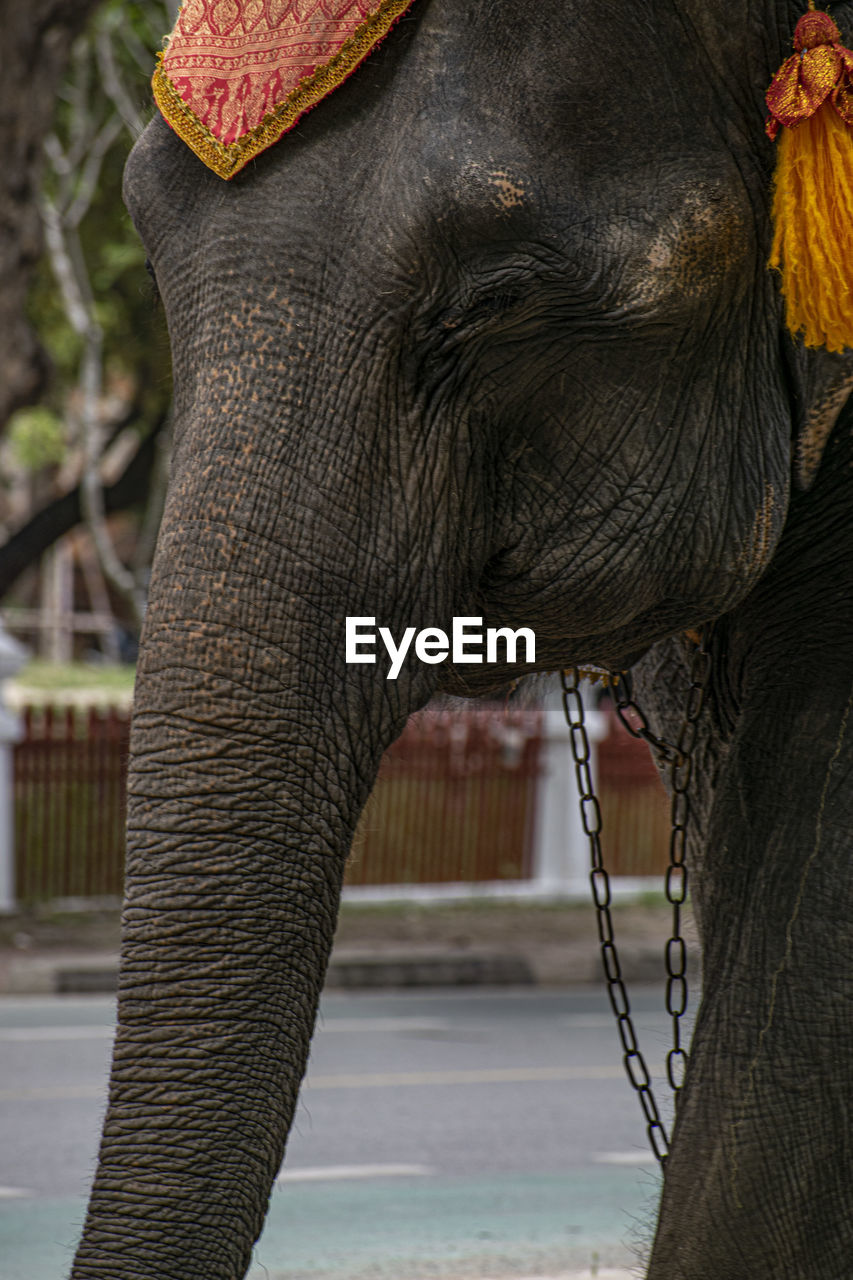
(70, 775)
(634, 805)
(456, 800)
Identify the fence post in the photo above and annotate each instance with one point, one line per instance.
(561, 852)
(12, 658)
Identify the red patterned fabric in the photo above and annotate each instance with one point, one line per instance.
(236, 74)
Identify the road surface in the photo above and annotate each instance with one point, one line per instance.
(447, 1134)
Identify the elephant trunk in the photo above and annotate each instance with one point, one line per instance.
(247, 780)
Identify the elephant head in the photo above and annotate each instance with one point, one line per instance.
(489, 334)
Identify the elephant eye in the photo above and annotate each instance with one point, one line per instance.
(483, 310)
(496, 304)
(149, 267)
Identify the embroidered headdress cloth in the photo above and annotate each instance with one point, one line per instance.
(237, 74)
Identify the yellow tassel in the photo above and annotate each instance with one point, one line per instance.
(813, 229)
(811, 109)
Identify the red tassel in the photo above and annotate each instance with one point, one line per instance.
(811, 101)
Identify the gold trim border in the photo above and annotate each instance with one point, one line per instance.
(228, 160)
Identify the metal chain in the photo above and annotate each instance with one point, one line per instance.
(679, 758)
(635, 1064)
(623, 701)
(680, 774)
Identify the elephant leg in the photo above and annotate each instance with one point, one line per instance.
(760, 1179)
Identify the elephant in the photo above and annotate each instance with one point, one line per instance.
(490, 334)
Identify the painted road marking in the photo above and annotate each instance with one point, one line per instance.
(588, 1275)
(596, 1021)
(628, 1158)
(54, 1093)
(342, 1172)
(384, 1024)
(374, 1080)
(31, 1035)
(493, 1075)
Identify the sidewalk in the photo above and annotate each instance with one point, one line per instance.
(390, 946)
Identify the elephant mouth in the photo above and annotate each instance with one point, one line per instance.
(559, 644)
(498, 680)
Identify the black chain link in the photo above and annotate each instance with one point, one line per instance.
(638, 726)
(679, 759)
(635, 1064)
(680, 774)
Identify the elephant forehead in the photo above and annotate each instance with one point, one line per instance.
(687, 248)
(641, 244)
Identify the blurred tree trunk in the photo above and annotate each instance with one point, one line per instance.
(37, 37)
(56, 518)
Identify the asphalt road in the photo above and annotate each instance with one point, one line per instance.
(447, 1134)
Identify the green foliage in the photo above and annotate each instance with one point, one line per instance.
(61, 343)
(136, 348)
(42, 680)
(37, 438)
(116, 257)
(92, 302)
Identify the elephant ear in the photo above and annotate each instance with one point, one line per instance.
(825, 383)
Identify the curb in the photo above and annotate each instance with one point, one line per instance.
(444, 969)
(96, 973)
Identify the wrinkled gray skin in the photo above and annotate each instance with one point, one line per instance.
(489, 333)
